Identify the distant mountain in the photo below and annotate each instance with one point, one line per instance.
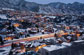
(19, 5)
(62, 8)
(55, 8)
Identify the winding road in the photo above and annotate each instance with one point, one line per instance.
(27, 39)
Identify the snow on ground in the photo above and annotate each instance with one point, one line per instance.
(79, 41)
(66, 44)
(5, 50)
(53, 47)
(37, 34)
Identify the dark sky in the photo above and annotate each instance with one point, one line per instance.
(48, 1)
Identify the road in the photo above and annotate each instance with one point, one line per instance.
(28, 39)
